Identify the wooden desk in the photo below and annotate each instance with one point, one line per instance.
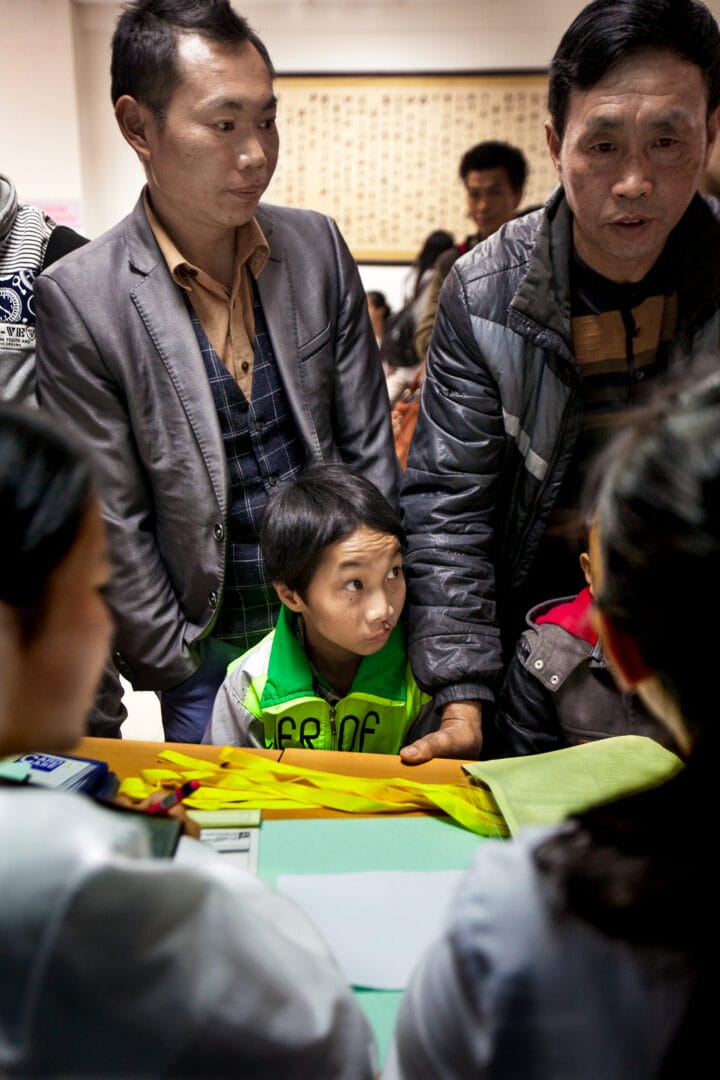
(376, 766)
(127, 757)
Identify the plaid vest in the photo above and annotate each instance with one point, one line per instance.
(263, 450)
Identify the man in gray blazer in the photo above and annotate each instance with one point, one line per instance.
(205, 349)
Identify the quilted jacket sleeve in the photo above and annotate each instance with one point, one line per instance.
(449, 504)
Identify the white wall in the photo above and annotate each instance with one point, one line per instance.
(59, 136)
(40, 146)
(318, 36)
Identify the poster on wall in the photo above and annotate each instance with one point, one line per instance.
(380, 153)
(62, 211)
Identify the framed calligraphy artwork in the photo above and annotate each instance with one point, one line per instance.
(380, 153)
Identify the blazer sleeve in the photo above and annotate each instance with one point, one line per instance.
(362, 410)
(76, 385)
(449, 505)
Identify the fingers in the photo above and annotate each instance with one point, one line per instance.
(457, 737)
(190, 827)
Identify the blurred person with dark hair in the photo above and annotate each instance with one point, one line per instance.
(379, 310)
(493, 175)
(397, 350)
(421, 271)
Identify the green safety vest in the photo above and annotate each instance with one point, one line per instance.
(374, 716)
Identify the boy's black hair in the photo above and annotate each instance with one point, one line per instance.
(323, 505)
(606, 32)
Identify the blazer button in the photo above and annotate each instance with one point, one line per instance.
(213, 599)
(218, 531)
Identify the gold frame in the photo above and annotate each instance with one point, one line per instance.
(380, 153)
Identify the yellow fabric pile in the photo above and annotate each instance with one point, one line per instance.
(243, 780)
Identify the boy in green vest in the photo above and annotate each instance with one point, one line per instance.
(333, 674)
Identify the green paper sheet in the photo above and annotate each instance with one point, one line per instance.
(340, 845)
(544, 789)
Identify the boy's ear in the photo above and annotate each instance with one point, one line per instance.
(288, 596)
(585, 567)
(622, 651)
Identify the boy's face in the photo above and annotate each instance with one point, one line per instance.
(355, 597)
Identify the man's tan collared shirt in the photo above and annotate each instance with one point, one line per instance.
(227, 318)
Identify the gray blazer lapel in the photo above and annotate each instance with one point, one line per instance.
(280, 304)
(161, 307)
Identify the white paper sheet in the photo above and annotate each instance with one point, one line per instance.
(377, 924)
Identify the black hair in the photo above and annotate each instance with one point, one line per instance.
(378, 300)
(659, 518)
(144, 46)
(496, 155)
(638, 868)
(606, 32)
(324, 504)
(434, 245)
(45, 489)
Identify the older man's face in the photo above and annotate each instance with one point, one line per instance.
(631, 158)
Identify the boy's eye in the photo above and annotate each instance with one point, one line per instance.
(395, 573)
(354, 586)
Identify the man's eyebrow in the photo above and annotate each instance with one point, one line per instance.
(603, 123)
(239, 106)
(669, 118)
(672, 118)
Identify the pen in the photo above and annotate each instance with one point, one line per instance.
(173, 798)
